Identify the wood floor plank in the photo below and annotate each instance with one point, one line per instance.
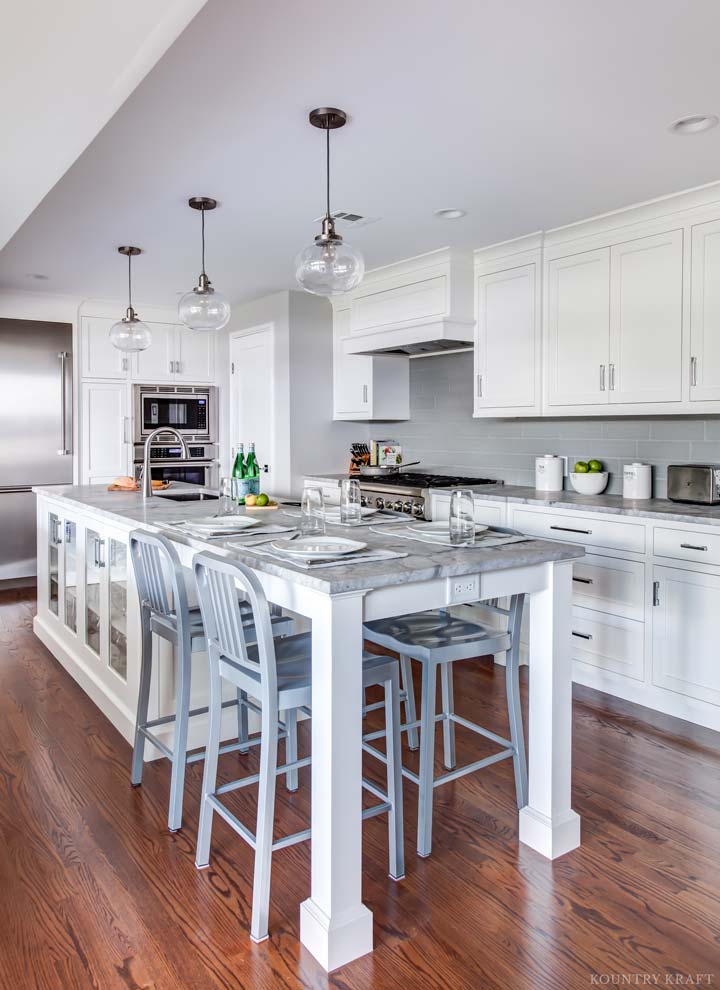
(96, 893)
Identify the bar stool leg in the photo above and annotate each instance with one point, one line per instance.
(212, 751)
(517, 735)
(291, 751)
(143, 701)
(394, 776)
(242, 714)
(448, 707)
(409, 689)
(427, 758)
(182, 718)
(264, 829)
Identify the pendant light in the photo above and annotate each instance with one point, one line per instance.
(203, 308)
(130, 333)
(328, 267)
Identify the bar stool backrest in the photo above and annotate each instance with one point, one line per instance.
(218, 580)
(158, 575)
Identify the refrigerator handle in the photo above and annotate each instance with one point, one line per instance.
(64, 450)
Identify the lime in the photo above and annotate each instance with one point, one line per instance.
(581, 467)
(262, 499)
(595, 465)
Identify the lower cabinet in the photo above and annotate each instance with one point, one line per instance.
(105, 432)
(608, 642)
(685, 633)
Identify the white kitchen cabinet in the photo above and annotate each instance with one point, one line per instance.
(705, 313)
(365, 387)
(610, 584)
(609, 642)
(507, 342)
(156, 364)
(105, 434)
(194, 356)
(646, 288)
(578, 328)
(486, 513)
(98, 357)
(686, 629)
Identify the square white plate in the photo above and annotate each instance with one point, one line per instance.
(318, 546)
(222, 522)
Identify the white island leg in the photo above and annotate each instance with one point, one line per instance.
(548, 822)
(335, 926)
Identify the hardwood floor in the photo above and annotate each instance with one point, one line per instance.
(95, 892)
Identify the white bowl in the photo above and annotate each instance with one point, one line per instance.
(590, 483)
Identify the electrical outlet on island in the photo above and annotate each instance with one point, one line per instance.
(463, 589)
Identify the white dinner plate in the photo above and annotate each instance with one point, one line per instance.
(440, 529)
(222, 522)
(318, 546)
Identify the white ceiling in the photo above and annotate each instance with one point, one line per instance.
(527, 115)
(65, 69)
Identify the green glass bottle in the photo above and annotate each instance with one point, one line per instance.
(252, 472)
(238, 473)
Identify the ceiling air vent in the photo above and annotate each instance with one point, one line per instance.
(351, 219)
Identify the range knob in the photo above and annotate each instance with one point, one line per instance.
(407, 506)
(363, 501)
(418, 509)
(397, 506)
(379, 503)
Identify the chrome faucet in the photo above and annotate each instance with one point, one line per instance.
(147, 480)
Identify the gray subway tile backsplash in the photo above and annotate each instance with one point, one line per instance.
(442, 433)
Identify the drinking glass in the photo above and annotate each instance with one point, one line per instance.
(227, 505)
(462, 518)
(350, 501)
(312, 513)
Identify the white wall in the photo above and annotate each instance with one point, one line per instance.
(307, 440)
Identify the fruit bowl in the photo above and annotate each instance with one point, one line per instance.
(590, 482)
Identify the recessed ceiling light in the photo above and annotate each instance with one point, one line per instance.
(37, 276)
(694, 124)
(451, 213)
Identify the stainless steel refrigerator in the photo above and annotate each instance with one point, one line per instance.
(35, 431)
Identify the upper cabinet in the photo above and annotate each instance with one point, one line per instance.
(705, 313)
(366, 387)
(508, 331)
(176, 354)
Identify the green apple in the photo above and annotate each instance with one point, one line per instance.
(581, 467)
(595, 465)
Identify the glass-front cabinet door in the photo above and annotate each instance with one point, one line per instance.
(94, 597)
(54, 545)
(70, 574)
(117, 625)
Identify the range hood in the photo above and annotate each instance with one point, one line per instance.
(417, 339)
(417, 307)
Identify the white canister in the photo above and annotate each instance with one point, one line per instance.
(637, 481)
(549, 473)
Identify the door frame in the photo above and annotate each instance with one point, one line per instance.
(269, 330)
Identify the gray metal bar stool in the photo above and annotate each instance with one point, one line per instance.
(278, 672)
(165, 611)
(438, 639)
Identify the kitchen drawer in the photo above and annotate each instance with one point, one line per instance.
(608, 584)
(609, 642)
(598, 531)
(486, 512)
(702, 548)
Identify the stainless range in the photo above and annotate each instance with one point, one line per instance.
(409, 491)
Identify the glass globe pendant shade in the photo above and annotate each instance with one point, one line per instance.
(203, 308)
(329, 267)
(130, 334)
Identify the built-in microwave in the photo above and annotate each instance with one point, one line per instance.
(189, 409)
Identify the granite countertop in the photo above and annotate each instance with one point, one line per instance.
(423, 563)
(611, 504)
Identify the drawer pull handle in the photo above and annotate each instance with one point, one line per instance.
(569, 529)
(582, 635)
(691, 546)
(583, 580)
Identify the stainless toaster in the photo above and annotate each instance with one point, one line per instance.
(694, 483)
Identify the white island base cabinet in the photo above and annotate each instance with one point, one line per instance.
(88, 617)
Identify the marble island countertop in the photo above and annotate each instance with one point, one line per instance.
(423, 562)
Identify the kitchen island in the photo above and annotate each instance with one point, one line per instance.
(88, 617)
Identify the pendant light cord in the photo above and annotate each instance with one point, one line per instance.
(129, 281)
(202, 217)
(327, 169)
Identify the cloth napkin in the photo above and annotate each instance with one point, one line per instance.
(361, 557)
(483, 541)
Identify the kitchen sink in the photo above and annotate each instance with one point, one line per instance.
(189, 496)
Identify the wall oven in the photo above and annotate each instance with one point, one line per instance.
(200, 468)
(189, 409)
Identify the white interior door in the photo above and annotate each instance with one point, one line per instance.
(646, 319)
(579, 328)
(252, 400)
